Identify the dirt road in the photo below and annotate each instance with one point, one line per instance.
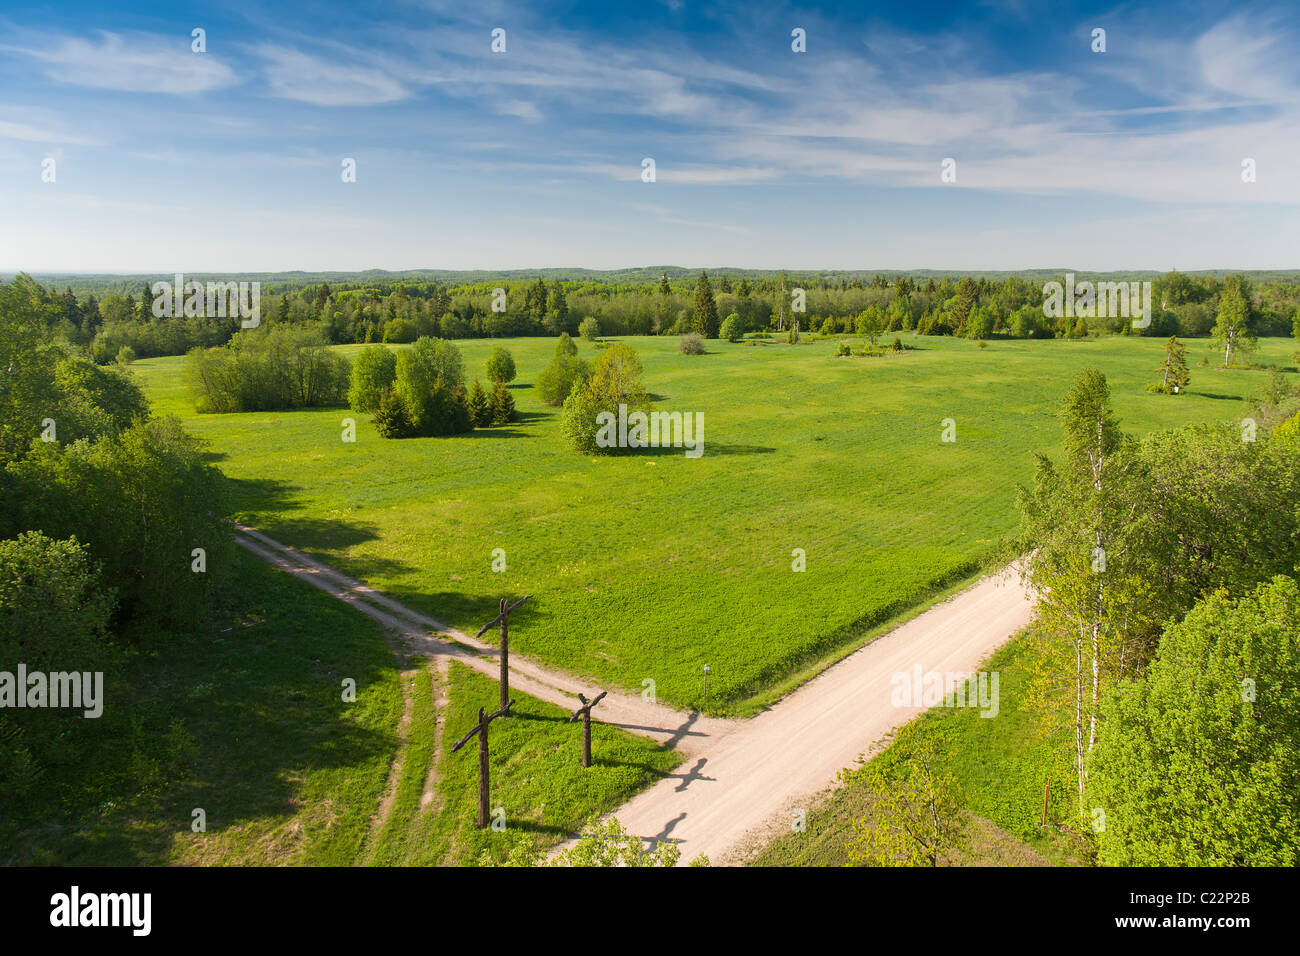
(750, 781)
(688, 733)
(742, 778)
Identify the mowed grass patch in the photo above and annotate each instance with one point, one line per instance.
(651, 565)
(246, 721)
(537, 779)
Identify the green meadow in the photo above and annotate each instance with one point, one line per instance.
(650, 564)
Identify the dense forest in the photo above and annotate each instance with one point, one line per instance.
(108, 316)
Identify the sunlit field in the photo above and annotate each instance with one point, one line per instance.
(652, 565)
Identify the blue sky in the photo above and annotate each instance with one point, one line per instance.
(229, 160)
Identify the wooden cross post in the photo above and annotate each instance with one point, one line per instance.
(504, 619)
(484, 803)
(585, 713)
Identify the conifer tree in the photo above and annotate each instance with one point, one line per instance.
(480, 410)
(1174, 367)
(503, 405)
(706, 310)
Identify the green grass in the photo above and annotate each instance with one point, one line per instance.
(653, 565)
(536, 776)
(1000, 765)
(246, 721)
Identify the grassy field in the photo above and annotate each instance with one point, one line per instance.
(652, 565)
(537, 779)
(1000, 767)
(247, 722)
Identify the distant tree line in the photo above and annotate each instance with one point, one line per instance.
(401, 312)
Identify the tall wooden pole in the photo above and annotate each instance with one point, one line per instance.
(484, 810)
(505, 654)
(503, 619)
(585, 713)
(481, 728)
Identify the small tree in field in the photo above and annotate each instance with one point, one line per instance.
(732, 329)
(705, 320)
(480, 409)
(1234, 326)
(915, 814)
(692, 343)
(503, 405)
(373, 371)
(1174, 368)
(589, 328)
(501, 366)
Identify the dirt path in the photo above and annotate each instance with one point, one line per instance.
(746, 777)
(754, 779)
(687, 732)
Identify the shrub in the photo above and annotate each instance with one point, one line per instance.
(843, 349)
(53, 617)
(615, 379)
(480, 409)
(792, 336)
(501, 366)
(391, 419)
(503, 405)
(269, 368)
(556, 380)
(829, 327)
(400, 330)
(429, 386)
(373, 373)
(897, 344)
(95, 400)
(589, 328)
(692, 343)
(732, 328)
(125, 355)
(140, 502)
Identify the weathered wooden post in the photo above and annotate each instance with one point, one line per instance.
(484, 800)
(504, 619)
(585, 713)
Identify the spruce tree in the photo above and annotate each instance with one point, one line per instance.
(1174, 366)
(503, 405)
(480, 410)
(706, 310)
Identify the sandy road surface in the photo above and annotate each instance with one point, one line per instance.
(751, 780)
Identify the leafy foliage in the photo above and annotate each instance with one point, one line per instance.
(1200, 762)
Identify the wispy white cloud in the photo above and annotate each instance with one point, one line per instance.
(128, 62)
(295, 75)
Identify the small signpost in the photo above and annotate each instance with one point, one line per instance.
(585, 713)
(504, 619)
(484, 803)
